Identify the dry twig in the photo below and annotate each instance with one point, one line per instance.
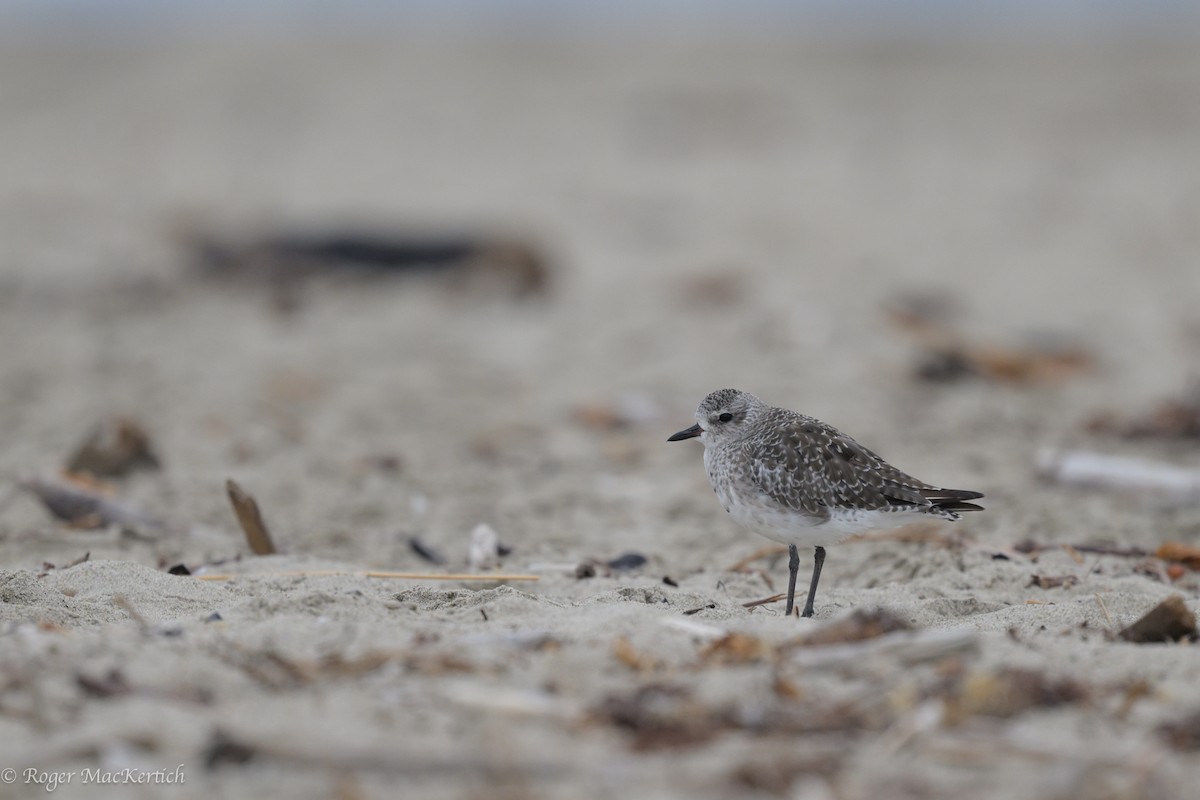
(250, 518)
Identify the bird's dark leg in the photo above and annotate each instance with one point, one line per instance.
(818, 561)
(793, 568)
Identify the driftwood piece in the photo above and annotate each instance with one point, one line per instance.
(250, 518)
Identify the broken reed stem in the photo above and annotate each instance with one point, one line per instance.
(1104, 608)
(412, 576)
(250, 518)
(775, 598)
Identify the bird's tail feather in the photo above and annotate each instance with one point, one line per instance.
(952, 499)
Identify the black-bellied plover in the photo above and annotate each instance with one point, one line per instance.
(799, 481)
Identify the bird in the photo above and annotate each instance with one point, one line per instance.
(802, 482)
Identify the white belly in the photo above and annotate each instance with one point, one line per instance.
(760, 514)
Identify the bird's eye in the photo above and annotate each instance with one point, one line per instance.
(725, 417)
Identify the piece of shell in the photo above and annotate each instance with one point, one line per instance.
(484, 550)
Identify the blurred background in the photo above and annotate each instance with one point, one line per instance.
(401, 268)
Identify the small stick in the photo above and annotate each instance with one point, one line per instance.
(1033, 548)
(775, 598)
(412, 576)
(1111, 550)
(1104, 608)
(249, 517)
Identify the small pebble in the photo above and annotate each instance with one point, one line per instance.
(627, 561)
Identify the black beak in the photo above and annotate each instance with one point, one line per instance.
(689, 433)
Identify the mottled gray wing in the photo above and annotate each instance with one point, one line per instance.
(812, 467)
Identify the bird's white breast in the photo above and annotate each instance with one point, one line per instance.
(754, 510)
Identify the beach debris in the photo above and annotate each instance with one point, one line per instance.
(1183, 733)
(669, 581)
(859, 625)
(484, 549)
(1006, 693)
(698, 609)
(276, 670)
(116, 447)
(1177, 418)
(488, 263)
(626, 562)
(751, 604)
(1184, 554)
(736, 648)
(902, 646)
(214, 617)
(425, 551)
(1131, 693)
(179, 569)
(223, 749)
(1031, 548)
(1101, 471)
(245, 507)
(661, 716)
(775, 598)
(625, 653)
(946, 355)
(1052, 581)
(1152, 568)
(1169, 621)
(47, 566)
(86, 508)
(1104, 610)
(113, 684)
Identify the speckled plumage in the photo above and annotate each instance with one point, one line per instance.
(797, 480)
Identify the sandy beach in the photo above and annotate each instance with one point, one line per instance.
(708, 209)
